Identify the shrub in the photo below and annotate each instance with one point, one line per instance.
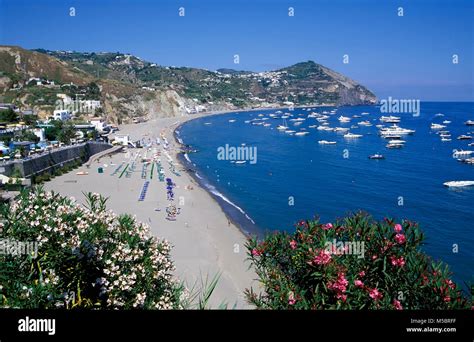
(312, 269)
(87, 257)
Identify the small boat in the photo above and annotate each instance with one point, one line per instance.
(469, 123)
(326, 142)
(232, 120)
(446, 139)
(396, 141)
(290, 131)
(364, 123)
(207, 123)
(282, 128)
(341, 129)
(458, 183)
(439, 115)
(364, 113)
(394, 145)
(301, 133)
(376, 156)
(390, 119)
(464, 137)
(437, 126)
(356, 116)
(313, 126)
(344, 119)
(471, 144)
(352, 136)
(446, 122)
(266, 125)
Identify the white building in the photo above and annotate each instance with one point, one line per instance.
(39, 132)
(123, 140)
(100, 125)
(62, 115)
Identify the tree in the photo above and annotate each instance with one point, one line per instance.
(67, 133)
(8, 115)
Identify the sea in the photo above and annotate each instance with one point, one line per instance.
(292, 178)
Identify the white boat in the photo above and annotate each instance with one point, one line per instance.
(341, 129)
(364, 113)
(462, 153)
(364, 123)
(437, 126)
(464, 137)
(326, 142)
(376, 156)
(266, 125)
(469, 123)
(313, 126)
(344, 119)
(247, 121)
(394, 145)
(446, 139)
(396, 141)
(395, 130)
(283, 127)
(232, 120)
(439, 115)
(297, 123)
(446, 122)
(290, 131)
(390, 119)
(301, 133)
(352, 136)
(458, 183)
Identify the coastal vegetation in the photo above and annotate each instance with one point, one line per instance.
(83, 257)
(318, 267)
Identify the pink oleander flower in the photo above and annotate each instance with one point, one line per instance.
(293, 244)
(375, 294)
(400, 238)
(358, 283)
(322, 258)
(340, 285)
(291, 298)
(256, 252)
(397, 261)
(374, 257)
(447, 299)
(450, 284)
(342, 296)
(397, 228)
(361, 273)
(397, 305)
(327, 226)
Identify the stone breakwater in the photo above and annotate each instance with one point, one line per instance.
(47, 162)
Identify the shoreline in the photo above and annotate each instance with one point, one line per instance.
(205, 242)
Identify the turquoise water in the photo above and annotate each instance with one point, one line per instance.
(296, 178)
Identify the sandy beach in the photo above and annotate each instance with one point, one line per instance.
(205, 242)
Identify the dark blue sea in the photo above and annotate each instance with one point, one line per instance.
(296, 178)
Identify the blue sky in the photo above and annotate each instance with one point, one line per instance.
(404, 57)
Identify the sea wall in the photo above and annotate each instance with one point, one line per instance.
(49, 161)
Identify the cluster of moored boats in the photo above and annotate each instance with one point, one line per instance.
(388, 129)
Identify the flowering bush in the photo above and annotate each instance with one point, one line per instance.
(84, 257)
(318, 267)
